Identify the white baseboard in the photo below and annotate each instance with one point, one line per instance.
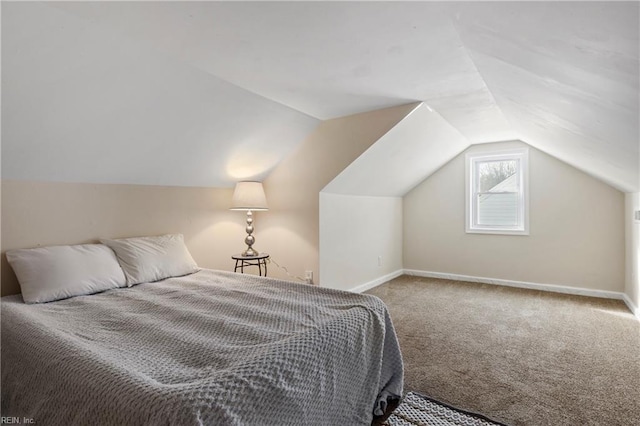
(633, 308)
(381, 280)
(533, 286)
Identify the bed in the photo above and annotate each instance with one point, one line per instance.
(208, 348)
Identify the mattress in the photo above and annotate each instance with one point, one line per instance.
(211, 348)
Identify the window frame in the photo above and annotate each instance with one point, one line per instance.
(521, 155)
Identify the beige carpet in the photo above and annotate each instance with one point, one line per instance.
(523, 357)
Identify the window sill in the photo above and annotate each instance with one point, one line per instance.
(499, 232)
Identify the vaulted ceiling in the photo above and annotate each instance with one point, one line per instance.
(206, 93)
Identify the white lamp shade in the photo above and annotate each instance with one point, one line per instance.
(249, 196)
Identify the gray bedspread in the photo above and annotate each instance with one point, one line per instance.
(211, 348)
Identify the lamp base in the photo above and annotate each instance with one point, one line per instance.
(249, 239)
(250, 252)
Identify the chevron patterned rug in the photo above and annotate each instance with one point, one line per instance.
(419, 410)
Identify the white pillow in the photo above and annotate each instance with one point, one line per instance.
(58, 272)
(146, 259)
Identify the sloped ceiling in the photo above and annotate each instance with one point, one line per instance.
(84, 103)
(104, 91)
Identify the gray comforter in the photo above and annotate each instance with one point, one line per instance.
(212, 348)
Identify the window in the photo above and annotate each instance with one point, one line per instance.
(497, 192)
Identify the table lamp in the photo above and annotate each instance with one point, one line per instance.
(249, 197)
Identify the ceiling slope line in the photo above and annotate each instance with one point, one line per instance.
(169, 55)
(561, 123)
(484, 81)
(570, 89)
(435, 110)
(613, 180)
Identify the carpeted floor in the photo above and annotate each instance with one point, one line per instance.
(522, 357)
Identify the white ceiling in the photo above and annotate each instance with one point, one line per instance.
(198, 93)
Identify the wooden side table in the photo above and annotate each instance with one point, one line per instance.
(242, 261)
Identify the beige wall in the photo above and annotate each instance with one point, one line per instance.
(576, 229)
(632, 235)
(45, 213)
(289, 231)
(39, 214)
